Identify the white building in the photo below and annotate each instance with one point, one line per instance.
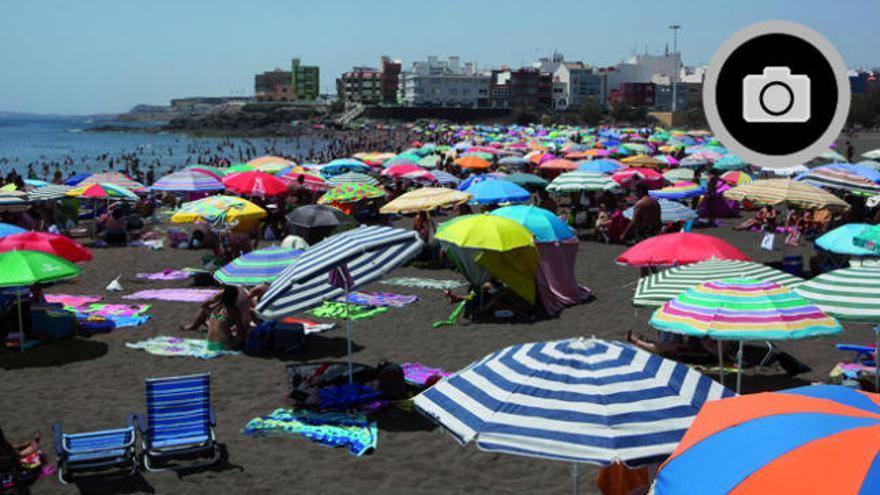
(627, 73)
(659, 65)
(448, 83)
(574, 83)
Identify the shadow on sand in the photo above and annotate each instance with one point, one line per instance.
(57, 353)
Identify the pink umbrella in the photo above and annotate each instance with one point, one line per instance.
(629, 176)
(411, 172)
(679, 248)
(255, 184)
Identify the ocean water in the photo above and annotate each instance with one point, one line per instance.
(46, 141)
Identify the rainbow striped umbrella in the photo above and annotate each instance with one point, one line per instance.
(103, 191)
(187, 181)
(679, 190)
(115, 179)
(743, 309)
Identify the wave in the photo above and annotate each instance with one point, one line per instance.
(76, 130)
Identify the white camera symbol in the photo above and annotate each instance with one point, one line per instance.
(776, 96)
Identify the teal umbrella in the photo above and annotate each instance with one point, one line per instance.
(730, 162)
(257, 267)
(842, 240)
(526, 180)
(543, 224)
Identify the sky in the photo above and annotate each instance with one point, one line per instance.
(104, 56)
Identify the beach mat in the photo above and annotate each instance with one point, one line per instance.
(379, 299)
(72, 301)
(166, 275)
(423, 283)
(332, 309)
(178, 347)
(177, 295)
(419, 374)
(330, 429)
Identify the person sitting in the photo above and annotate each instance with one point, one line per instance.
(793, 223)
(114, 224)
(759, 220)
(500, 298)
(21, 457)
(228, 315)
(646, 217)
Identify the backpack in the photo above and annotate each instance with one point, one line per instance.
(275, 338)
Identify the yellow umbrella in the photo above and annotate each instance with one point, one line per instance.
(218, 209)
(786, 192)
(644, 161)
(426, 199)
(485, 232)
(8, 187)
(256, 163)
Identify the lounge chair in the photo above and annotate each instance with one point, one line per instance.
(90, 454)
(179, 423)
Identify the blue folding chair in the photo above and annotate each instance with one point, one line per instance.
(179, 424)
(96, 453)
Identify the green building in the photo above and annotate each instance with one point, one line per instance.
(305, 81)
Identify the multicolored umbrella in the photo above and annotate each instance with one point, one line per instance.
(352, 178)
(350, 193)
(670, 212)
(813, 439)
(661, 287)
(218, 210)
(581, 181)
(679, 248)
(844, 176)
(103, 191)
(114, 179)
(736, 177)
(497, 192)
(257, 267)
(787, 192)
(679, 190)
(187, 181)
(543, 224)
(426, 199)
(255, 184)
(45, 242)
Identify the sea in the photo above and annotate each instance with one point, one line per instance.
(43, 141)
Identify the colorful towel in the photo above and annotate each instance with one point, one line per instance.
(166, 275)
(309, 325)
(418, 374)
(113, 309)
(175, 346)
(332, 309)
(72, 301)
(326, 428)
(379, 299)
(423, 283)
(181, 295)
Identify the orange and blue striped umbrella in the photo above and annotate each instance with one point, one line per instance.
(813, 439)
(741, 309)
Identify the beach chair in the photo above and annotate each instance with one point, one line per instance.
(179, 424)
(96, 453)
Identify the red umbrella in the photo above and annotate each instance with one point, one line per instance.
(311, 182)
(45, 242)
(628, 176)
(679, 248)
(255, 184)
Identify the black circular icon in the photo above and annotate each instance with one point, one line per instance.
(762, 65)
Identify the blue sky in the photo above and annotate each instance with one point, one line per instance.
(91, 56)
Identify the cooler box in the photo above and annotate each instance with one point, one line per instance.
(53, 324)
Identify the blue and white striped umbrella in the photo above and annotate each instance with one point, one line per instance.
(367, 252)
(577, 400)
(445, 178)
(670, 212)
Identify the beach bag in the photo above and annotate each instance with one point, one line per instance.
(767, 241)
(390, 380)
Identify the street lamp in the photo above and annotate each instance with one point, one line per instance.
(675, 28)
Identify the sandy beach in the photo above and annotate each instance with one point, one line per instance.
(95, 382)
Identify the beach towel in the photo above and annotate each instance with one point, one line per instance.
(379, 299)
(309, 325)
(166, 275)
(72, 301)
(113, 309)
(164, 345)
(419, 374)
(330, 429)
(423, 283)
(332, 309)
(180, 295)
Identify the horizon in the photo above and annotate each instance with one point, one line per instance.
(75, 60)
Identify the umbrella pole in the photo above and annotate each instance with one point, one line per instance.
(348, 330)
(739, 367)
(20, 321)
(720, 363)
(575, 489)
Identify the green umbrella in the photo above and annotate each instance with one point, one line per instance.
(26, 268)
(429, 161)
(349, 193)
(526, 180)
(239, 167)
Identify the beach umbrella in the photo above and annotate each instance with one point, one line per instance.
(830, 156)
(27, 268)
(45, 242)
(311, 216)
(785, 192)
(872, 164)
(238, 168)
(581, 181)
(558, 164)
(411, 172)
(425, 199)
(75, 179)
(350, 193)
(679, 248)
(114, 179)
(842, 240)
(628, 176)
(526, 180)
(497, 192)
(49, 193)
(268, 160)
(472, 162)
(872, 155)
(743, 309)
(343, 165)
(670, 212)
(644, 161)
(693, 162)
(445, 178)
(102, 191)
(491, 232)
(513, 161)
(9, 229)
(218, 210)
(599, 166)
(869, 239)
(256, 184)
(13, 201)
(215, 172)
(730, 162)
(844, 176)
(703, 156)
(575, 400)
(310, 182)
(679, 174)
(636, 147)
(473, 179)
(812, 439)
(669, 160)
(429, 161)
(352, 178)
(661, 287)
(336, 266)
(543, 224)
(35, 183)
(187, 181)
(402, 159)
(257, 267)
(736, 177)
(277, 168)
(679, 190)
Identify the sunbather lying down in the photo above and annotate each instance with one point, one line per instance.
(24, 456)
(500, 298)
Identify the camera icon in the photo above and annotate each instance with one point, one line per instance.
(776, 96)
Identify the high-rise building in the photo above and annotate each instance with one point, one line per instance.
(574, 83)
(305, 81)
(370, 86)
(436, 83)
